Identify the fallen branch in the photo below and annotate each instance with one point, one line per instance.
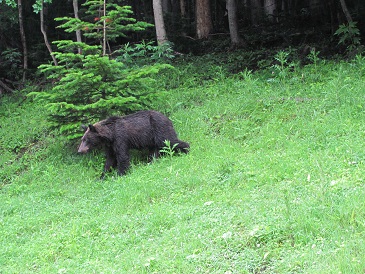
(4, 87)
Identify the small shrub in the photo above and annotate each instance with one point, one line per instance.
(349, 35)
(11, 60)
(143, 53)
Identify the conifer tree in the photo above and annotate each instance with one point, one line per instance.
(89, 85)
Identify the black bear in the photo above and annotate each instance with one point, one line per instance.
(142, 130)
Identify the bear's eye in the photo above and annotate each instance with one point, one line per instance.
(90, 142)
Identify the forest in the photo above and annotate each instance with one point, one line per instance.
(28, 28)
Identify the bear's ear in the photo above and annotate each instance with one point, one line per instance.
(84, 127)
(92, 128)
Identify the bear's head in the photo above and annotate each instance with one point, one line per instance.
(90, 140)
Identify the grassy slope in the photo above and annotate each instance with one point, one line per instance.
(273, 184)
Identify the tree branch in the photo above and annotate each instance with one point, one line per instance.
(346, 11)
(5, 87)
(45, 35)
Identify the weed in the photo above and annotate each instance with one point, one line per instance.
(283, 68)
(169, 151)
(314, 58)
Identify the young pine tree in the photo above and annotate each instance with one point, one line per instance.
(89, 85)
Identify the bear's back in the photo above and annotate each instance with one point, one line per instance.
(139, 118)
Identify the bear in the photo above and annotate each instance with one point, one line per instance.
(146, 129)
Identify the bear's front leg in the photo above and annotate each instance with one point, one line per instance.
(111, 161)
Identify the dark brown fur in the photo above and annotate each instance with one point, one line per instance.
(141, 130)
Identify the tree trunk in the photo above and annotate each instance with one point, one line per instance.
(204, 23)
(166, 6)
(255, 12)
(183, 8)
(270, 9)
(316, 8)
(104, 28)
(333, 15)
(346, 11)
(232, 22)
(78, 32)
(45, 34)
(23, 39)
(159, 22)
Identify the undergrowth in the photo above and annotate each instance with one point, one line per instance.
(273, 182)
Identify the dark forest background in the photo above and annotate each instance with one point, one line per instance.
(263, 25)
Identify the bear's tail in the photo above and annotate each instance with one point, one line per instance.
(182, 147)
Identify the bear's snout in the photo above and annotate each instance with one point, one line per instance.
(83, 148)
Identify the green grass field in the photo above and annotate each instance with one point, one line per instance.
(274, 182)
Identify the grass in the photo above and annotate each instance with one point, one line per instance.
(273, 183)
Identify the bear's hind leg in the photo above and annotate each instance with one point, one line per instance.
(153, 153)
